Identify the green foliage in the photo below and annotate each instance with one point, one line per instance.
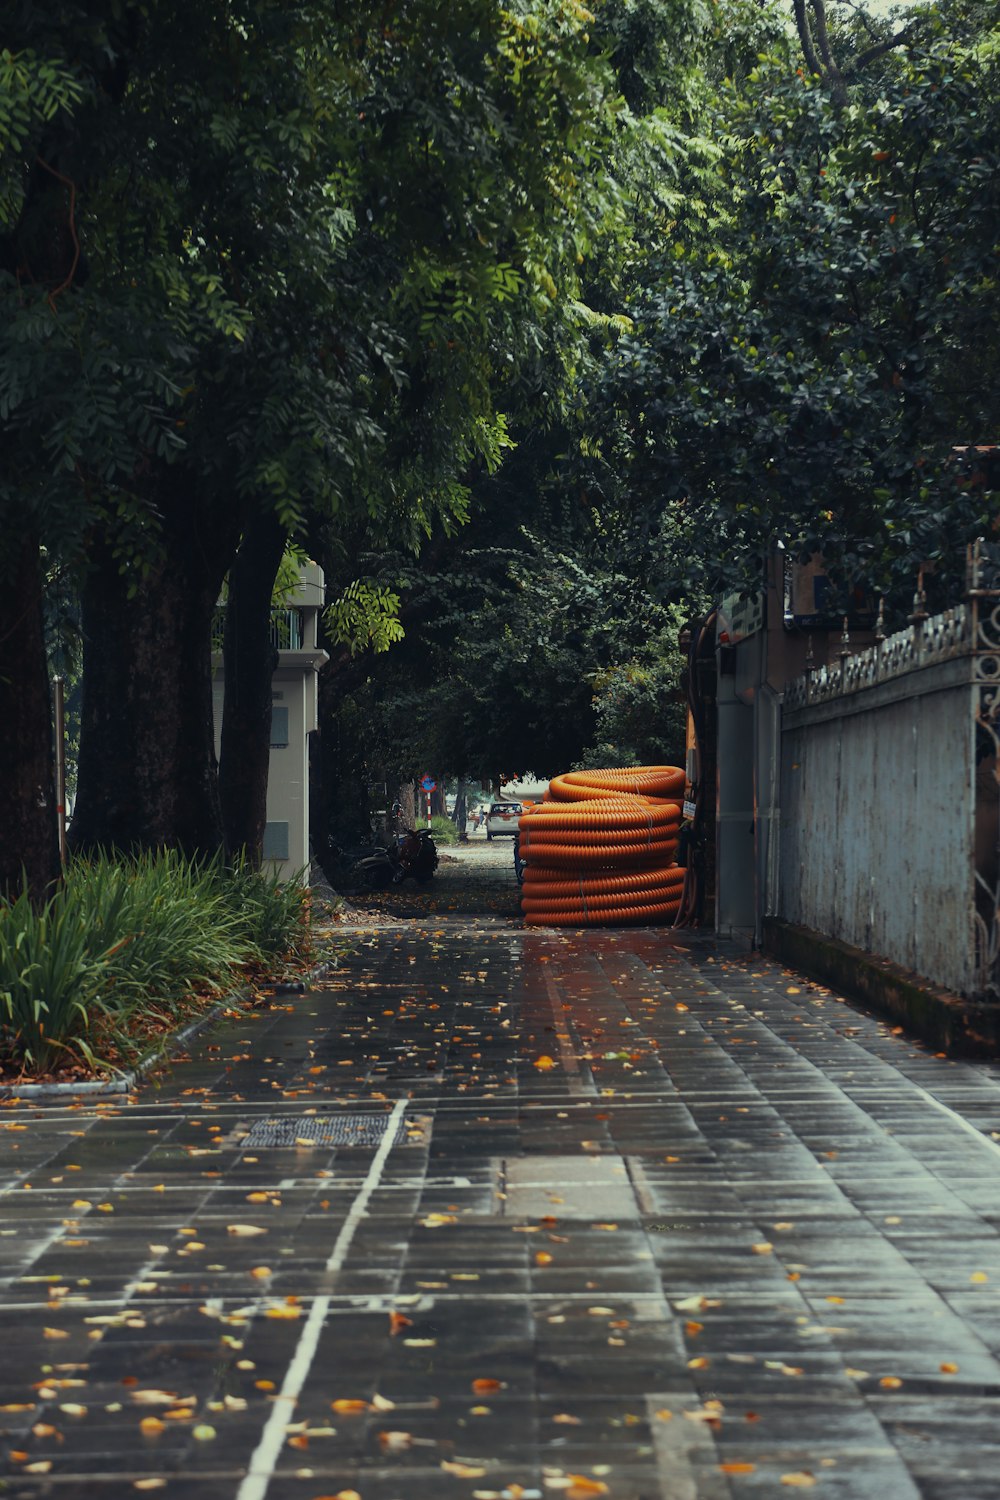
(811, 345)
(639, 704)
(530, 643)
(271, 912)
(34, 89)
(125, 940)
(364, 614)
(52, 981)
(443, 830)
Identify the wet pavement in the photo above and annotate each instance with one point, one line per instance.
(493, 1212)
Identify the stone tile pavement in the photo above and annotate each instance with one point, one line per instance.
(494, 1213)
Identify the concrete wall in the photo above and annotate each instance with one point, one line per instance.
(294, 701)
(877, 800)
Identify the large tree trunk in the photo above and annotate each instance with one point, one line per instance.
(250, 660)
(147, 771)
(29, 840)
(461, 814)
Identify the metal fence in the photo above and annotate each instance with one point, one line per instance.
(286, 629)
(890, 819)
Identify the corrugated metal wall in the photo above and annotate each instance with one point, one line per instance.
(878, 803)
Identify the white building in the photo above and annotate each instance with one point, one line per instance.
(293, 717)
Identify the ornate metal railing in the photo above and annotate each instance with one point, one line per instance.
(970, 631)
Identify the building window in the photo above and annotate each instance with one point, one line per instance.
(279, 727)
(275, 841)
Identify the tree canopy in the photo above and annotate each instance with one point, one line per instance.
(539, 323)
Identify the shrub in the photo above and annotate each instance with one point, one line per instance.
(127, 946)
(51, 982)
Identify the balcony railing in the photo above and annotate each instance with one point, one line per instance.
(286, 629)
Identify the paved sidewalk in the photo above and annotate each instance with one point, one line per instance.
(523, 1214)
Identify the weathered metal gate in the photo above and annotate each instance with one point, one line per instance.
(888, 795)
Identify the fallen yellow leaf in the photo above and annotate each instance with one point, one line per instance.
(581, 1488)
(395, 1442)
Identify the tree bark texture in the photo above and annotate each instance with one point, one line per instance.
(148, 776)
(341, 806)
(250, 660)
(461, 814)
(29, 840)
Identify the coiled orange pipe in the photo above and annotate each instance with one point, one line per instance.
(599, 850)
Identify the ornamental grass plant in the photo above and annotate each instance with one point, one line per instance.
(128, 949)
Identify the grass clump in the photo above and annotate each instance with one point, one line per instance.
(443, 830)
(129, 948)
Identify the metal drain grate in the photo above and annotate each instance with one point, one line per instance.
(329, 1130)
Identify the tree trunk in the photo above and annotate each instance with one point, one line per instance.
(250, 660)
(147, 772)
(29, 839)
(461, 814)
(408, 804)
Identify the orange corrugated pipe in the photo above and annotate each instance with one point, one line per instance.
(599, 850)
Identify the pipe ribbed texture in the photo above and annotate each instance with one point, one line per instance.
(599, 849)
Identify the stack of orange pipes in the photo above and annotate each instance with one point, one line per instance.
(599, 850)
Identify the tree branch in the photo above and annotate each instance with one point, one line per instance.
(871, 54)
(805, 37)
(67, 182)
(834, 75)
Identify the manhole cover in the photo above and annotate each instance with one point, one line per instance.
(323, 1130)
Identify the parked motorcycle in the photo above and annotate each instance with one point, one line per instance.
(418, 856)
(414, 855)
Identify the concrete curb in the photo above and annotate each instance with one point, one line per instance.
(947, 1022)
(126, 1082)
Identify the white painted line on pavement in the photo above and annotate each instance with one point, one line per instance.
(960, 1120)
(262, 1465)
